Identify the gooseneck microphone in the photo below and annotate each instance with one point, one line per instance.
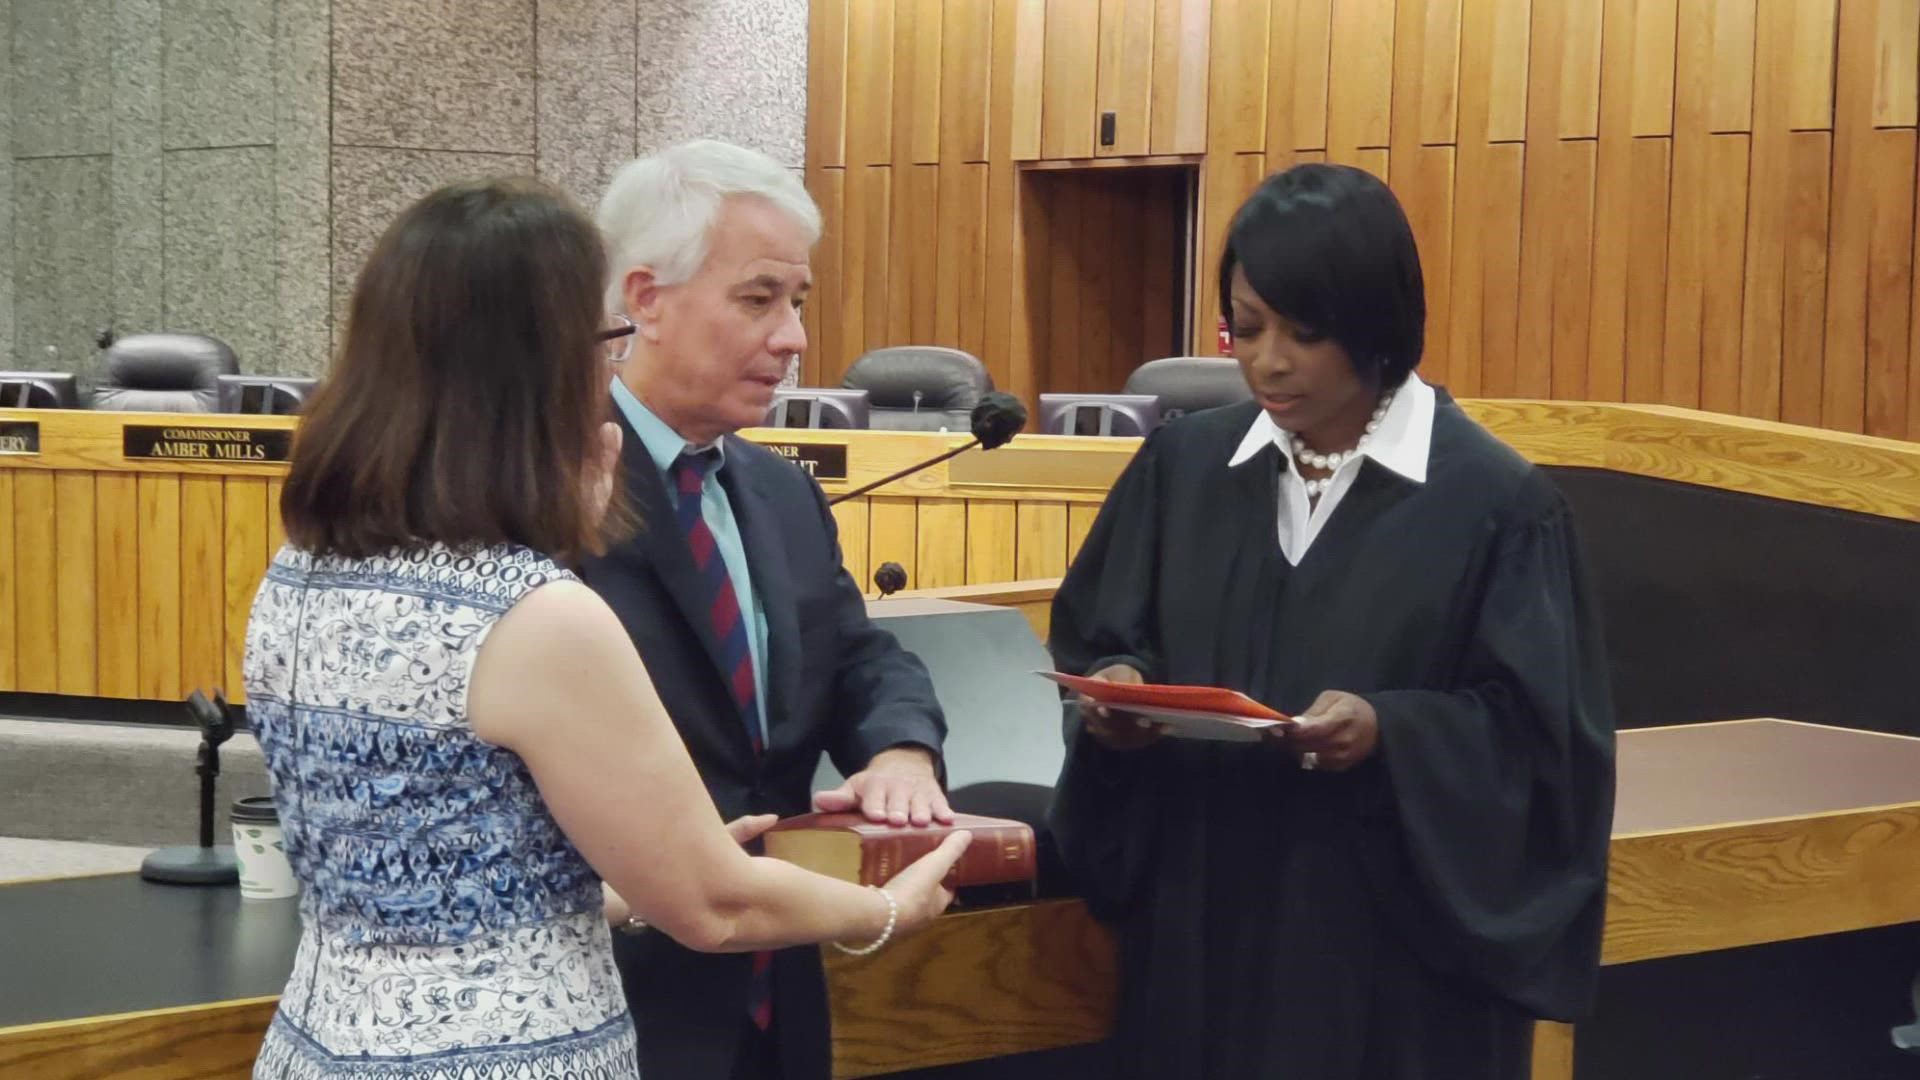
(994, 422)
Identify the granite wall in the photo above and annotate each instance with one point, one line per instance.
(223, 166)
(168, 167)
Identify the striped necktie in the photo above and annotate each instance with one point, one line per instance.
(729, 623)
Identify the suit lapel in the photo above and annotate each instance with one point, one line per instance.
(660, 546)
(753, 510)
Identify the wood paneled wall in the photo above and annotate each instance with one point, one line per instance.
(1705, 203)
(920, 116)
(139, 586)
(134, 578)
(130, 585)
(945, 542)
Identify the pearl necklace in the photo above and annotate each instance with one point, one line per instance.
(1331, 462)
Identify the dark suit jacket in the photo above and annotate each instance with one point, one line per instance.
(835, 683)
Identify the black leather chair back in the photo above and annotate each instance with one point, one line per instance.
(1187, 384)
(165, 373)
(38, 390)
(919, 387)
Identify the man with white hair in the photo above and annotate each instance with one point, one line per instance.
(733, 590)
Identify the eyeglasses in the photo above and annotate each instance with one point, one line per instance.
(616, 341)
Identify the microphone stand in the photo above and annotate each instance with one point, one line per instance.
(995, 421)
(209, 863)
(908, 471)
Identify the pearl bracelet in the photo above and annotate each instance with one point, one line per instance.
(893, 919)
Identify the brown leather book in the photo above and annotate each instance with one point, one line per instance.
(851, 848)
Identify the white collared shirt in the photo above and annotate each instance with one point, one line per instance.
(1401, 443)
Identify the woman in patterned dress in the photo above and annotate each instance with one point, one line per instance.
(462, 741)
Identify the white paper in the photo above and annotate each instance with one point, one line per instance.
(1209, 726)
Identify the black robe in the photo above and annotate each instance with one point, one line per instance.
(1404, 919)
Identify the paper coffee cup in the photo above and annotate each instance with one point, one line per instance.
(261, 850)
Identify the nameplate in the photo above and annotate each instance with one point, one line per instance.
(19, 436)
(238, 445)
(822, 461)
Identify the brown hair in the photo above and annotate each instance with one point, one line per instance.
(464, 406)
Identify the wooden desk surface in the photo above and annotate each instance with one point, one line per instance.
(1761, 769)
(1753, 831)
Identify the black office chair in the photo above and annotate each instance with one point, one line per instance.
(1187, 384)
(38, 390)
(1025, 803)
(264, 395)
(1131, 415)
(818, 407)
(919, 387)
(1907, 1036)
(165, 373)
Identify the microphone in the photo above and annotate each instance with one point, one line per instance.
(890, 578)
(995, 421)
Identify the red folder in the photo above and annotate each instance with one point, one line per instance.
(1202, 712)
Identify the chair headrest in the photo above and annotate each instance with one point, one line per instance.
(947, 379)
(165, 373)
(170, 362)
(1187, 384)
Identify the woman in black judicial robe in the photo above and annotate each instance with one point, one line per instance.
(1398, 886)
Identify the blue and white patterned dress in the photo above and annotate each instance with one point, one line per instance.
(450, 930)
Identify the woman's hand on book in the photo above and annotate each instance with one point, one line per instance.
(919, 889)
(1112, 728)
(745, 830)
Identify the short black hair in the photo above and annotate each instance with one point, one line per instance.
(1329, 248)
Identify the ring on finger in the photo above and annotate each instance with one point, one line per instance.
(1310, 760)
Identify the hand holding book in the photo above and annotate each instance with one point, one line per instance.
(918, 866)
(921, 890)
(852, 848)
